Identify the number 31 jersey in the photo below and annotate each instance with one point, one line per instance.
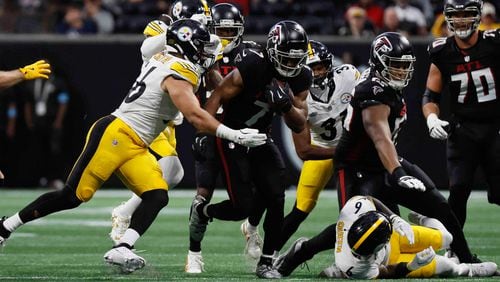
(472, 75)
(147, 109)
(326, 105)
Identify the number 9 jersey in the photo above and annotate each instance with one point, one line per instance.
(147, 109)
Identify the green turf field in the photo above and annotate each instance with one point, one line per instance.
(70, 245)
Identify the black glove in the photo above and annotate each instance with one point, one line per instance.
(278, 97)
(166, 19)
(199, 146)
(399, 178)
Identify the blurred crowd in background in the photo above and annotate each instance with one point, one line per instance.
(361, 18)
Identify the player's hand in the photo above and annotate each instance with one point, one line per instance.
(403, 228)
(247, 137)
(199, 146)
(437, 127)
(278, 96)
(422, 259)
(39, 69)
(401, 179)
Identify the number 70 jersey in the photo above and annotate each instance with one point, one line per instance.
(147, 108)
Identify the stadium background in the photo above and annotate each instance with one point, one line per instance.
(101, 70)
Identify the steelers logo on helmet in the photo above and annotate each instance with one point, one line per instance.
(369, 233)
(185, 34)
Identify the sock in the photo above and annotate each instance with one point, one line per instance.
(250, 227)
(291, 223)
(266, 259)
(130, 237)
(12, 223)
(128, 208)
(194, 253)
(194, 246)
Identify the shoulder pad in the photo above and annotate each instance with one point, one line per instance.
(437, 45)
(186, 71)
(492, 34)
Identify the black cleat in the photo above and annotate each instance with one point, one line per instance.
(4, 233)
(289, 261)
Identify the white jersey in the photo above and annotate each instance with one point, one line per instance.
(327, 105)
(350, 265)
(147, 109)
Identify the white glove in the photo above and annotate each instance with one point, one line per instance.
(410, 182)
(436, 127)
(422, 259)
(247, 137)
(403, 228)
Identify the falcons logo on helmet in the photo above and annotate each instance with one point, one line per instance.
(275, 34)
(383, 44)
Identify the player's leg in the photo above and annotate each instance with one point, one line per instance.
(250, 231)
(268, 170)
(94, 165)
(462, 161)
(491, 167)
(313, 178)
(422, 220)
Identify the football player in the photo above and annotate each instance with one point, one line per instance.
(331, 92)
(466, 64)
(228, 24)
(262, 84)
(163, 147)
(118, 143)
(372, 242)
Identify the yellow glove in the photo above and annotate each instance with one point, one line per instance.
(40, 69)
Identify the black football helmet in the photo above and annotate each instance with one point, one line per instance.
(463, 16)
(191, 9)
(227, 23)
(287, 47)
(392, 58)
(318, 53)
(191, 39)
(369, 233)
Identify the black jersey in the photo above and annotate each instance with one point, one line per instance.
(250, 108)
(472, 75)
(355, 147)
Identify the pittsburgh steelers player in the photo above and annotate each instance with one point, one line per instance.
(118, 143)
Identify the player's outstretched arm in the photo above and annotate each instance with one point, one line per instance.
(295, 118)
(230, 86)
(305, 150)
(39, 69)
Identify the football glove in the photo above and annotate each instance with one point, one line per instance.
(199, 146)
(403, 228)
(422, 259)
(278, 96)
(400, 178)
(39, 69)
(437, 127)
(247, 137)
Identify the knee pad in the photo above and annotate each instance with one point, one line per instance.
(157, 197)
(172, 170)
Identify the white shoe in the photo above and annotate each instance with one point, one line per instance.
(484, 269)
(253, 247)
(451, 255)
(331, 272)
(119, 225)
(194, 263)
(125, 258)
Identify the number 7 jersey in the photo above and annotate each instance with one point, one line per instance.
(147, 108)
(471, 75)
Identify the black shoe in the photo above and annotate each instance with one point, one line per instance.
(289, 261)
(4, 233)
(267, 271)
(475, 259)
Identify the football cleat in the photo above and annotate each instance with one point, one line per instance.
(125, 258)
(267, 271)
(4, 233)
(197, 221)
(253, 247)
(331, 272)
(119, 224)
(194, 263)
(484, 269)
(451, 255)
(288, 261)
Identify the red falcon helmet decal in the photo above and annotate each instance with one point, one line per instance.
(383, 44)
(275, 34)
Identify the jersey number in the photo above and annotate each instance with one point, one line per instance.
(264, 108)
(482, 79)
(138, 87)
(330, 129)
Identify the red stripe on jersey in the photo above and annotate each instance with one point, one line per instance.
(342, 187)
(225, 166)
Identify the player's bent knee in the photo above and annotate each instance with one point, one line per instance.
(69, 197)
(172, 170)
(158, 198)
(446, 239)
(85, 193)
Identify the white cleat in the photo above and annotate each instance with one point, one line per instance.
(125, 258)
(253, 247)
(119, 225)
(451, 255)
(484, 269)
(331, 272)
(194, 263)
